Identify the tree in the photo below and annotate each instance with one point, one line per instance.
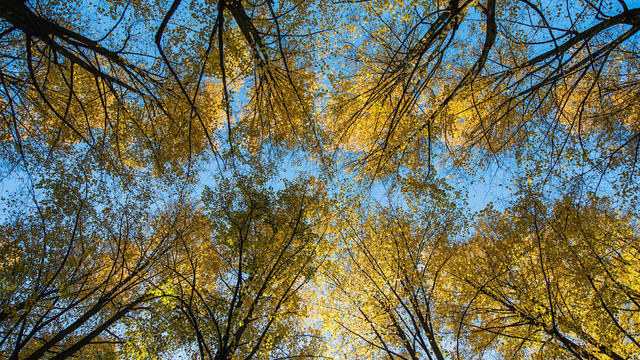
(237, 290)
(61, 89)
(551, 283)
(465, 78)
(387, 287)
(166, 89)
(76, 262)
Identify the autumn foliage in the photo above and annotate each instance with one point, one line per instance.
(296, 179)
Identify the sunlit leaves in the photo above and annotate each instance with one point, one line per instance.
(537, 282)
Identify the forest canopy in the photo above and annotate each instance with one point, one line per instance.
(296, 179)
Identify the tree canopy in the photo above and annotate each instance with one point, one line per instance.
(296, 179)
